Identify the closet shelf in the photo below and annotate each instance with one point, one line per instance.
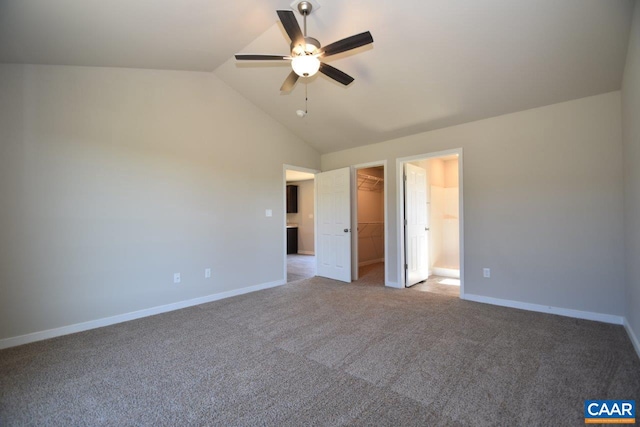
(370, 182)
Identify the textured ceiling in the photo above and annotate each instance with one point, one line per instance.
(432, 64)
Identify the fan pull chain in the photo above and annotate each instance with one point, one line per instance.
(301, 113)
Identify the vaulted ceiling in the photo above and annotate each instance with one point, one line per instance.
(433, 63)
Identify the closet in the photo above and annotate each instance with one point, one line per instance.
(370, 183)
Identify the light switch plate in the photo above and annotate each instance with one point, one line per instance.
(268, 213)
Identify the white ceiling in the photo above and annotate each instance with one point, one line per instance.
(196, 35)
(433, 63)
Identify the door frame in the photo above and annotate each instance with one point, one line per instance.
(285, 168)
(400, 161)
(354, 218)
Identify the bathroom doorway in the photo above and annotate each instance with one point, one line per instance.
(431, 222)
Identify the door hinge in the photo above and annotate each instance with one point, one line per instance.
(406, 266)
(405, 222)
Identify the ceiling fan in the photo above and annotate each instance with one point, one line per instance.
(306, 52)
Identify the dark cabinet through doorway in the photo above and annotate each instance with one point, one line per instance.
(292, 199)
(292, 240)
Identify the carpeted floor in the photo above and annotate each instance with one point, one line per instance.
(300, 267)
(318, 352)
(439, 285)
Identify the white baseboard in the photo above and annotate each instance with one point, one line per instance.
(106, 321)
(587, 315)
(632, 336)
(371, 261)
(306, 253)
(393, 285)
(446, 272)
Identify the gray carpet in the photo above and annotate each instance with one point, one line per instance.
(317, 352)
(300, 267)
(438, 285)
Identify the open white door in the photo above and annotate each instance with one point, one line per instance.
(416, 228)
(333, 218)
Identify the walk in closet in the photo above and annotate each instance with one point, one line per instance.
(370, 182)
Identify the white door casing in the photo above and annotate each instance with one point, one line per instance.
(416, 226)
(333, 218)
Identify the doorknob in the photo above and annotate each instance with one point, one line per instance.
(346, 230)
(426, 229)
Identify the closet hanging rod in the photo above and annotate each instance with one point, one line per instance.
(365, 176)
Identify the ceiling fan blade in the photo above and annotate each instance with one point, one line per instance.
(348, 44)
(290, 82)
(335, 74)
(291, 26)
(243, 57)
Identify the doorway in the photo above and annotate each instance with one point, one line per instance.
(430, 197)
(337, 236)
(300, 208)
(369, 216)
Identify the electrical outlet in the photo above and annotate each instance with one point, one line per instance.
(176, 278)
(486, 273)
(207, 273)
(268, 213)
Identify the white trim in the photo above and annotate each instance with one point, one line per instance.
(632, 336)
(400, 161)
(370, 262)
(578, 314)
(393, 285)
(446, 272)
(306, 253)
(461, 219)
(285, 168)
(106, 321)
(354, 223)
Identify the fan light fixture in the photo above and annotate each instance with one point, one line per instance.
(307, 55)
(305, 65)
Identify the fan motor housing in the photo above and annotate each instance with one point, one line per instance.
(312, 46)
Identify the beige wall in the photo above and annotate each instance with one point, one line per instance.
(435, 169)
(450, 256)
(631, 151)
(435, 207)
(543, 205)
(114, 179)
(304, 217)
(451, 173)
(442, 205)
